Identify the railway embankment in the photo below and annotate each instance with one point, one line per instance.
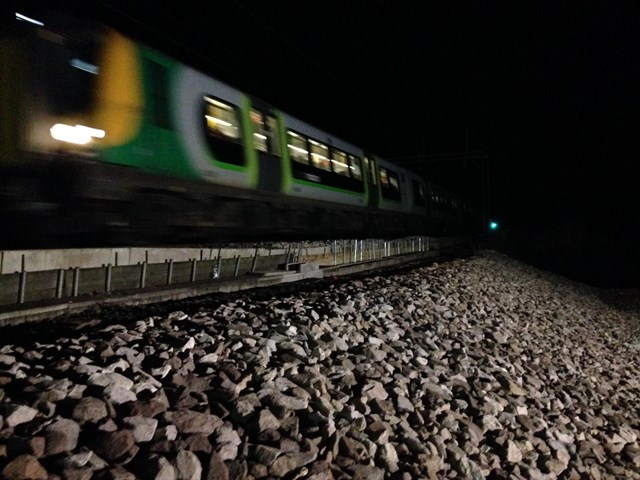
(475, 368)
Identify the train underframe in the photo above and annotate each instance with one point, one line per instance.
(76, 202)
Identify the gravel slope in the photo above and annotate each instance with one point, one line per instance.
(477, 368)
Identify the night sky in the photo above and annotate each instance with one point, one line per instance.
(547, 92)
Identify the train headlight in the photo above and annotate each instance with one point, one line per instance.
(78, 134)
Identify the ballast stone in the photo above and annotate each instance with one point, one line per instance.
(450, 370)
(19, 414)
(24, 467)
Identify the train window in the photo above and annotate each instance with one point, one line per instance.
(356, 167)
(393, 182)
(222, 120)
(418, 193)
(389, 184)
(272, 129)
(265, 128)
(298, 150)
(339, 162)
(71, 63)
(260, 138)
(319, 155)
(384, 178)
(389, 179)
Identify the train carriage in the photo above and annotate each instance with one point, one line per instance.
(109, 141)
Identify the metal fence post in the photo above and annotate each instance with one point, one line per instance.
(76, 281)
(143, 274)
(59, 283)
(169, 271)
(255, 260)
(194, 264)
(237, 268)
(107, 278)
(22, 286)
(335, 253)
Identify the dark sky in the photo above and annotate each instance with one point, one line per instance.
(548, 91)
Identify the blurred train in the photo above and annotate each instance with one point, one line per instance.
(105, 141)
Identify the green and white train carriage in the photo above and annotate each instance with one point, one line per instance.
(195, 126)
(101, 131)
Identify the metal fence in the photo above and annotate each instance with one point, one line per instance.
(26, 286)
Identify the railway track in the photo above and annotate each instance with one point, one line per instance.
(67, 283)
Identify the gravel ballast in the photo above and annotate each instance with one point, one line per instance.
(475, 368)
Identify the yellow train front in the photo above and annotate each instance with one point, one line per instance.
(106, 141)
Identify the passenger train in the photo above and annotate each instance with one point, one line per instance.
(106, 141)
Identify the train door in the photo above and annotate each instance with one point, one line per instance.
(372, 179)
(267, 145)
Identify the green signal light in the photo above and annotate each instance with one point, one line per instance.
(493, 226)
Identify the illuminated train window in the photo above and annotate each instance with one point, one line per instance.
(389, 179)
(389, 184)
(384, 179)
(356, 167)
(265, 132)
(297, 145)
(313, 162)
(439, 201)
(222, 120)
(339, 162)
(319, 155)
(222, 127)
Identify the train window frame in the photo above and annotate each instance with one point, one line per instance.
(384, 177)
(394, 182)
(306, 172)
(355, 167)
(372, 170)
(319, 164)
(226, 107)
(219, 119)
(390, 184)
(291, 147)
(339, 166)
(265, 130)
(274, 137)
